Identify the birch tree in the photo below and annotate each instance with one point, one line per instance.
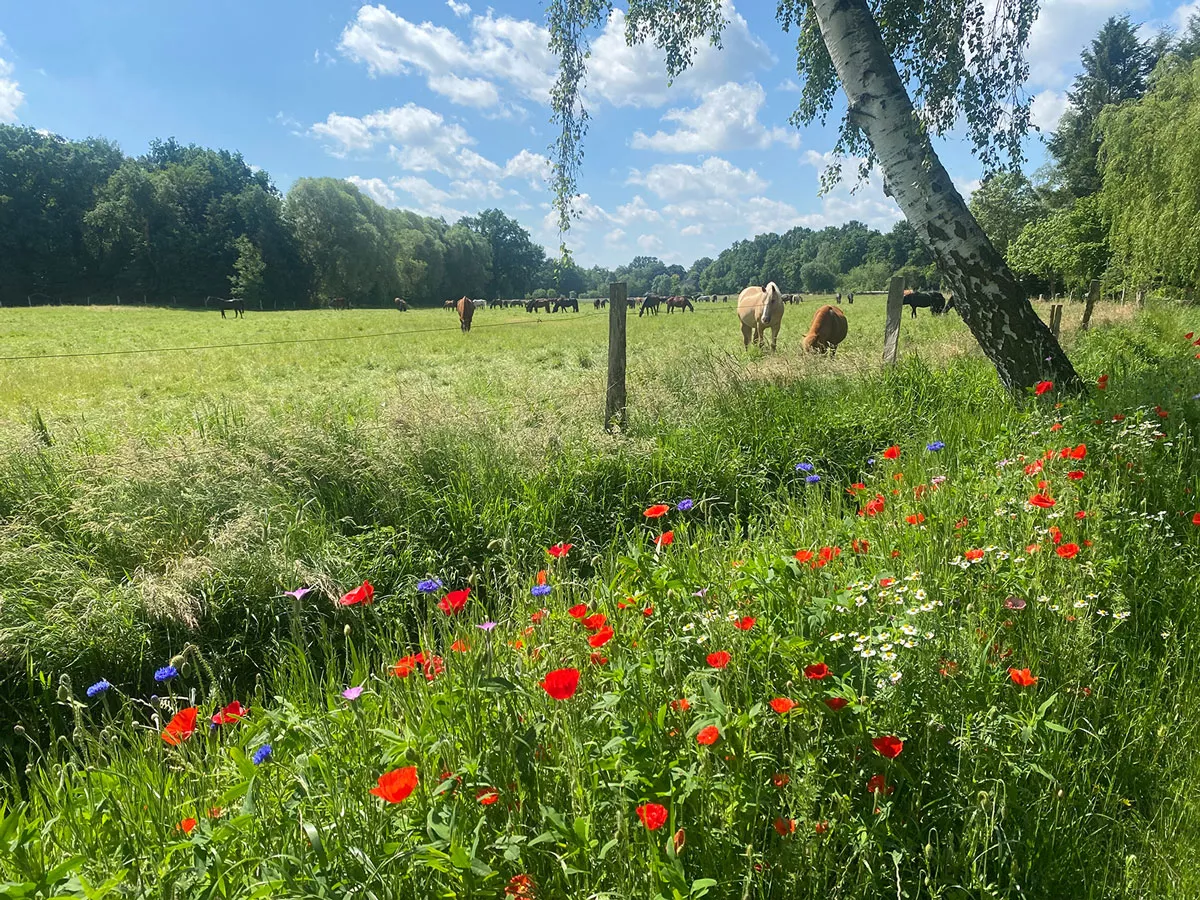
(963, 59)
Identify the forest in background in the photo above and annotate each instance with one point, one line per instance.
(79, 219)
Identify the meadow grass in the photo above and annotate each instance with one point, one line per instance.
(165, 504)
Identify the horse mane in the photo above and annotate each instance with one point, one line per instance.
(772, 296)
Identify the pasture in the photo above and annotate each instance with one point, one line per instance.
(890, 633)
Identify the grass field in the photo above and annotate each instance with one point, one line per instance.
(938, 684)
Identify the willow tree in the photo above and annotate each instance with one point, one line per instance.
(964, 60)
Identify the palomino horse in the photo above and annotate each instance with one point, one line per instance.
(237, 304)
(680, 303)
(759, 309)
(828, 330)
(466, 312)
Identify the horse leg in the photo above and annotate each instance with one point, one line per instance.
(775, 334)
(746, 335)
(222, 312)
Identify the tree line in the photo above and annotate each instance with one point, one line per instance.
(183, 223)
(1118, 200)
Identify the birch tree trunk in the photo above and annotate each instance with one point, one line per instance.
(986, 293)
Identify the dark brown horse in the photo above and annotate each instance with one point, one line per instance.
(237, 305)
(651, 304)
(546, 304)
(466, 312)
(680, 303)
(339, 303)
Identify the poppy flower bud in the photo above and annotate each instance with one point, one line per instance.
(64, 693)
(177, 660)
(346, 630)
(19, 729)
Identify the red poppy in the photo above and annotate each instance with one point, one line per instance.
(816, 671)
(782, 705)
(364, 593)
(558, 551)
(454, 601)
(856, 487)
(821, 827)
(487, 796)
(877, 784)
(745, 623)
(1043, 387)
(1022, 677)
(785, 827)
(973, 555)
(892, 452)
(433, 666)
(1078, 452)
(1162, 413)
(186, 826)
(710, 734)
(666, 539)
(396, 785)
(1034, 467)
(578, 611)
(836, 703)
(678, 840)
(405, 665)
(539, 616)
(873, 507)
(781, 779)
(718, 660)
(886, 582)
(915, 520)
(859, 546)
(1188, 336)
(1102, 382)
(1081, 514)
(1196, 518)
(181, 726)
(888, 746)
(600, 638)
(460, 646)
(594, 622)
(899, 476)
(804, 555)
(656, 511)
(1067, 551)
(920, 490)
(681, 704)
(1044, 501)
(1055, 534)
(599, 659)
(653, 815)
(648, 611)
(561, 684)
(1057, 426)
(1032, 548)
(1076, 475)
(520, 887)
(541, 576)
(232, 713)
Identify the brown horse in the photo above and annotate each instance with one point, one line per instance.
(339, 303)
(450, 304)
(828, 330)
(401, 305)
(680, 303)
(466, 311)
(546, 304)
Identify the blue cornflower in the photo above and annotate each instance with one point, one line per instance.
(540, 590)
(685, 505)
(261, 754)
(804, 467)
(429, 586)
(871, 461)
(936, 445)
(813, 479)
(166, 673)
(98, 688)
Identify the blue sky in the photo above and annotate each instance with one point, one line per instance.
(442, 107)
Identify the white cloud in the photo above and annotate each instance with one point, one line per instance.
(375, 188)
(967, 187)
(788, 86)
(637, 76)
(692, 230)
(651, 243)
(11, 95)
(848, 200)
(616, 236)
(1063, 28)
(715, 177)
(516, 51)
(637, 208)
(530, 165)
(1184, 13)
(726, 119)
(1047, 108)
(459, 9)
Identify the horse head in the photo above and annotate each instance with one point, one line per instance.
(772, 298)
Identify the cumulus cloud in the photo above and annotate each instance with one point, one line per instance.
(650, 243)
(11, 95)
(1184, 13)
(529, 165)
(1047, 108)
(1063, 28)
(616, 236)
(726, 119)
(499, 48)
(863, 202)
(715, 177)
(375, 188)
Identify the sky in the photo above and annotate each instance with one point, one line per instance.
(443, 108)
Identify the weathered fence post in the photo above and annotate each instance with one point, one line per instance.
(614, 395)
(1092, 297)
(891, 328)
(1055, 318)
(1141, 298)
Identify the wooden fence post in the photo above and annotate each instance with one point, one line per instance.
(1055, 318)
(1092, 297)
(1141, 298)
(614, 395)
(891, 328)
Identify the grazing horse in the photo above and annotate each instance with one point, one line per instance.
(450, 304)
(237, 304)
(339, 303)
(466, 311)
(760, 308)
(545, 304)
(827, 331)
(601, 302)
(930, 300)
(400, 305)
(564, 303)
(651, 304)
(680, 303)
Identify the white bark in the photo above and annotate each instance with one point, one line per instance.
(986, 293)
